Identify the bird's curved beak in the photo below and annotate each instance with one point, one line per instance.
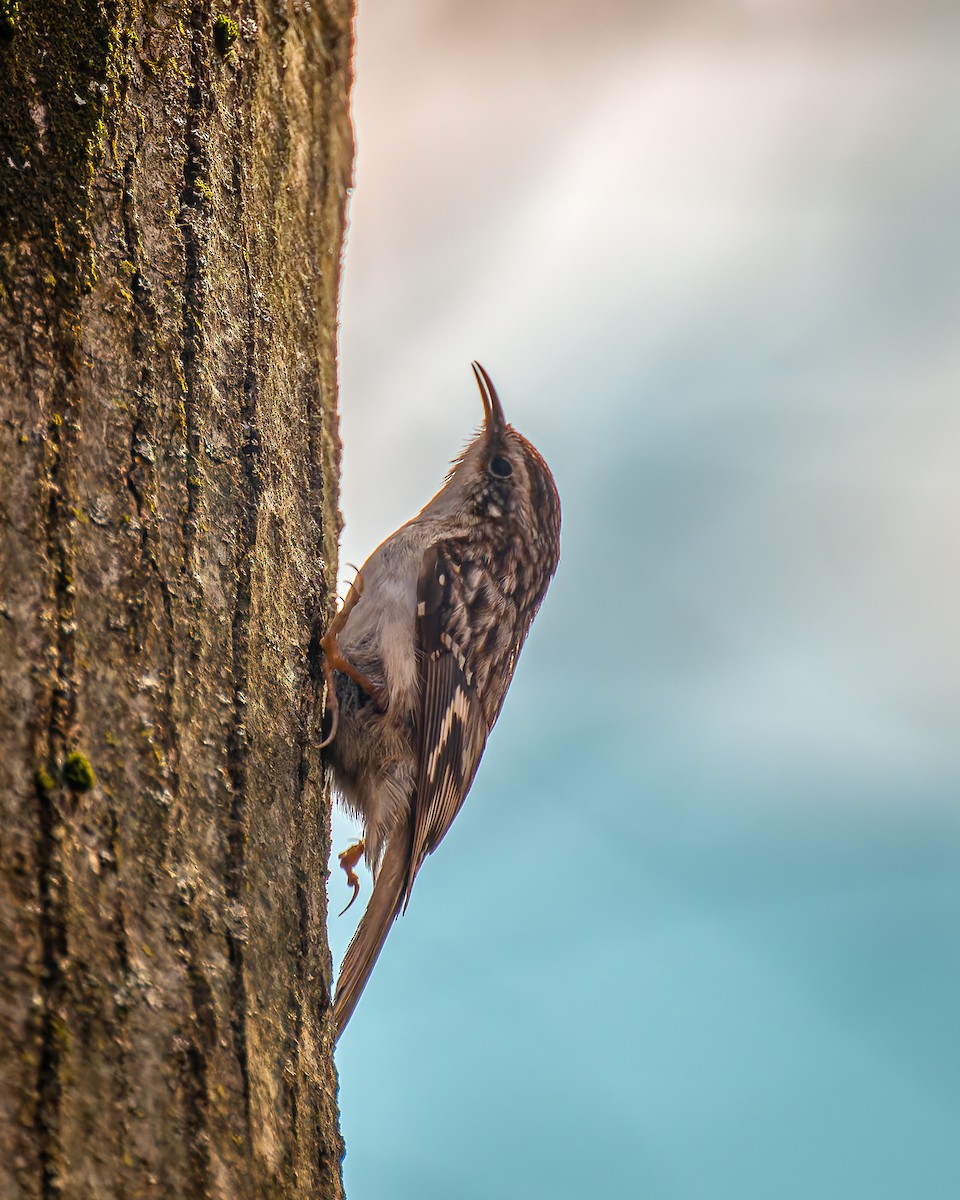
(493, 419)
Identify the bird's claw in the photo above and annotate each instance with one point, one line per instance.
(333, 660)
(348, 860)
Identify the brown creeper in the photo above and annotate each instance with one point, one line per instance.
(419, 660)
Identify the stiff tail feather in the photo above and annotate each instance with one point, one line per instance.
(385, 903)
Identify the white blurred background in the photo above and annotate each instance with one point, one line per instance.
(695, 932)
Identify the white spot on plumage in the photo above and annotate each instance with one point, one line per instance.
(458, 709)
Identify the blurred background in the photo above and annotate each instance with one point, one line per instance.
(696, 932)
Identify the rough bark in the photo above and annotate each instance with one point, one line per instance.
(171, 218)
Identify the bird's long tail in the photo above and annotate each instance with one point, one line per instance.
(385, 903)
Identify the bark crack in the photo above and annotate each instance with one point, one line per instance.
(238, 743)
(189, 220)
(52, 883)
(194, 1073)
(122, 995)
(53, 941)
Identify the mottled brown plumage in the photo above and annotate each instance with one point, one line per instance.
(420, 659)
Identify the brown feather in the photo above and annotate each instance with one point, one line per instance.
(424, 688)
(366, 944)
(451, 731)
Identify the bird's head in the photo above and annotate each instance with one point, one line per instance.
(500, 480)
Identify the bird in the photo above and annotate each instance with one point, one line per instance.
(418, 660)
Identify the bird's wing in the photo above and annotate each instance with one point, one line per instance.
(452, 729)
(468, 636)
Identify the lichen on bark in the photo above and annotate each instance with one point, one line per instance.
(58, 68)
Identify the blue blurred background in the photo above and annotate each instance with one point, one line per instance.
(696, 932)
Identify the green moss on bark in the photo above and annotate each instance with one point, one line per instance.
(225, 33)
(44, 780)
(78, 775)
(9, 18)
(57, 72)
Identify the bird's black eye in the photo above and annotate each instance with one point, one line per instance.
(500, 467)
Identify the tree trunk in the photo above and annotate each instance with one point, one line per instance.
(172, 195)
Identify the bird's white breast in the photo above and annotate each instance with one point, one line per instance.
(386, 613)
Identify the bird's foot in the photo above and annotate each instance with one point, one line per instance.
(333, 660)
(348, 860)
